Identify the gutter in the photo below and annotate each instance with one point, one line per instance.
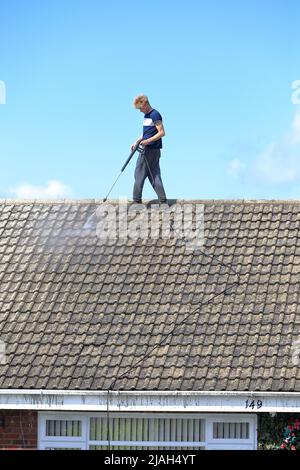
(151, 401)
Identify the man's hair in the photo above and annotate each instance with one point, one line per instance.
(139, 100)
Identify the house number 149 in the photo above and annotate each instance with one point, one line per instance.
(253, 404)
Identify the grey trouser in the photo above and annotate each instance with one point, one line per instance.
(147, 166)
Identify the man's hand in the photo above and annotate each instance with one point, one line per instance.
(136, 143)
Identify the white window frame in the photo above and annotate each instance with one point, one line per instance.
(219, 443)
(62, 441)
(83, 442)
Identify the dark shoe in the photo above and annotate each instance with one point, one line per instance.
(135, 201)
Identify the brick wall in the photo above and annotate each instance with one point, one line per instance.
(19, 430)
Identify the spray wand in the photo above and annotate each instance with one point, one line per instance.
(138, 148)
(135, 148)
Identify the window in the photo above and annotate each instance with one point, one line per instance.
(231, 432)
(63, 428)
(146, 431)
(225, 430)
(62, 431)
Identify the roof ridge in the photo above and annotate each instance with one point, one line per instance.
(147, 201)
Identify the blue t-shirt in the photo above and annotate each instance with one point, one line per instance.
(149, 129)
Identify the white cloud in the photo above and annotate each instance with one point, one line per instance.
(236, 167)
(277, 164)
(52, 190)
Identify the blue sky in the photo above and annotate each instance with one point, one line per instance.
(220, 73)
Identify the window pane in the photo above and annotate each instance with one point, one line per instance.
(147, 429)
(224, 430)
(63, 428)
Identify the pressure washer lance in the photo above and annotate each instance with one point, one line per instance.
(140, 148)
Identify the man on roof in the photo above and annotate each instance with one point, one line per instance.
(147, 165)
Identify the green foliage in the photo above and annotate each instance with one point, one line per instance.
(281, 431)
(291, 435)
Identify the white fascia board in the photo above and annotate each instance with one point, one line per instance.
(74, 400)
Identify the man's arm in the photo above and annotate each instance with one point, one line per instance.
(160, 133)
